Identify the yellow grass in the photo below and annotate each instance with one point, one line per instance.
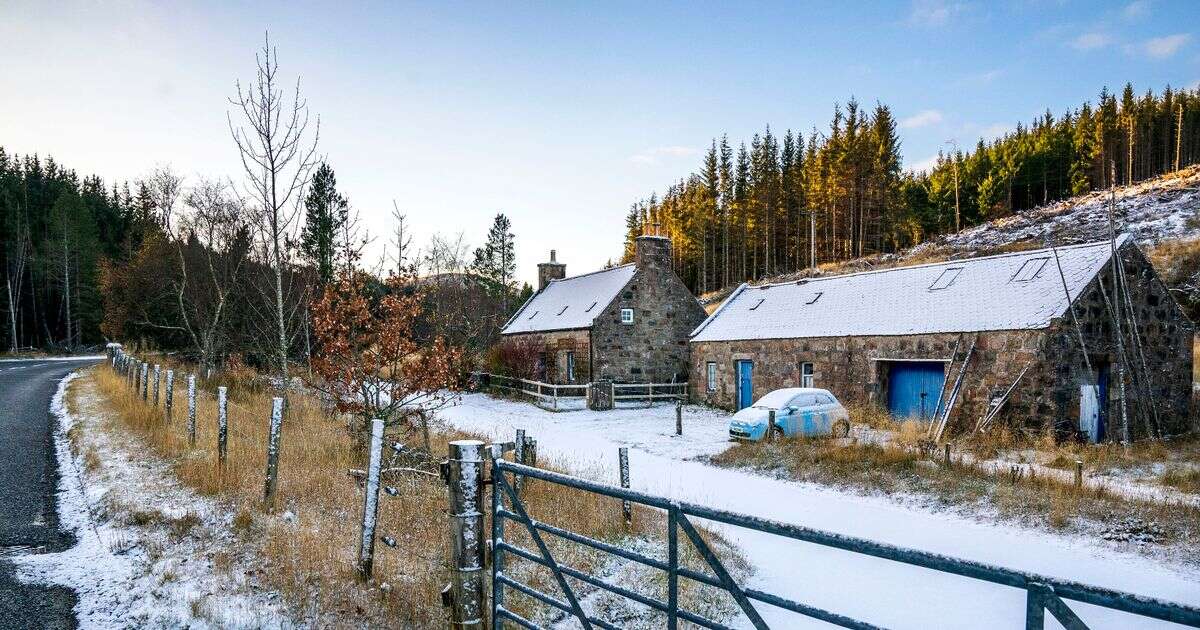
(309, 543)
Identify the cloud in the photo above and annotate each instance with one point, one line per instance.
(1160, 47)
(1090, 41)
(933, 12)
(993, 131)
(922, 119)
(1135, 9)
(654, 155)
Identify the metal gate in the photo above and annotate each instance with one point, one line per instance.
(1042, 593)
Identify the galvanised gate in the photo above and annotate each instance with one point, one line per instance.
(1043, 594)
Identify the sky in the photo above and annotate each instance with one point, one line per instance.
(558, 114)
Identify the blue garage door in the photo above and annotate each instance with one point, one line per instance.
(914, 388)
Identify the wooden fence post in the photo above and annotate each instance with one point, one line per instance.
(464, 478)
(623, 464)
(144, 382)
(222, 424)
(366, 548)
(191, 420)
(272, 481)
(679, 417)
(531, 452)
(157, 382)
(1078, 473)
(519, 456)
(170, 392)
(947, 458)
(771, 425)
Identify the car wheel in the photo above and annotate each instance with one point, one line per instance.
(841, 429)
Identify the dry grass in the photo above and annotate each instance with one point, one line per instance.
(1025, 498)
(309, 542)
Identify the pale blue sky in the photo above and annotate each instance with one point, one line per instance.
(558, 114)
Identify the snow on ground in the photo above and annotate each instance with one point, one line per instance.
(151, 570)
(1152, 211)
(874, 590)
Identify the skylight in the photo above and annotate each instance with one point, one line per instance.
(946, 279)
(564, 309)
(534, 314)
(816, 296)
(758, 303)
(1030, 269)
(589, 309)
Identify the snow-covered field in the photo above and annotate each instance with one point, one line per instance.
(878, 591)
(146, 545)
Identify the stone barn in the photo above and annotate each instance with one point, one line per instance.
(627, 324)
(1035, 329)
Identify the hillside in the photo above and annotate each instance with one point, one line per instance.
(1163, 214)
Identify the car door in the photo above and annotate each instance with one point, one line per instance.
(807, 415)
(789, 416)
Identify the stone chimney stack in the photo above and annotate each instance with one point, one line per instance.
(552, 270)
(652, 251)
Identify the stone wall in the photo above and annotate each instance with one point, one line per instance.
(554, 348)
(855, 369)
(1166, 336)
(654, 348)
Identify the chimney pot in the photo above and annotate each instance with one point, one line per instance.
(552, 270)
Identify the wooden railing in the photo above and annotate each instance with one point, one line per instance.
(649, 392)
(544, 393)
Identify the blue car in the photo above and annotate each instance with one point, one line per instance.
(803, 411)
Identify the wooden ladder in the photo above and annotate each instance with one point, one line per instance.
(938, 426)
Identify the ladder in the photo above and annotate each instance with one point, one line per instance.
(938, 426)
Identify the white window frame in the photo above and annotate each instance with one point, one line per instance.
(808, 380)
(627, 316)
(710, 374)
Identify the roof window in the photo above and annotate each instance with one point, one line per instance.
(1029, 269)
(534, 314)
(946, 279)
(758, 303)
(816, 296)
(589, 309)
(564, 309)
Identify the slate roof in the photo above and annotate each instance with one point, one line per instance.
(1016, 291)
(571, 302)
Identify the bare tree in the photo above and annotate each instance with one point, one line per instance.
(402, 241)
(165, 188)
(277, 157)
(210, 251)
(17, 254)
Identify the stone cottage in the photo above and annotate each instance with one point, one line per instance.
(1038, 326)
(627, 324)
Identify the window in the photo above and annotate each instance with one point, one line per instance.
(564, 310)
(710, 370)
(806, 375)
(816, 296)
(570, 366)
(534, 314)
(1029, 269)
(589, 309)
(626, 316)
(946, 279)
(758, 303)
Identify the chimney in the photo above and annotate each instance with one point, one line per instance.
(552, 270)
(652, 251)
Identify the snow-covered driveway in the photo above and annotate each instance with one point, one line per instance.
(878, 591)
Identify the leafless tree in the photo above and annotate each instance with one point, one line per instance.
(401, 241)
(211, 248)
(277, 156)
(165, 188)
(16, 255)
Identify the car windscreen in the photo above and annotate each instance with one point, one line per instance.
(776, 399)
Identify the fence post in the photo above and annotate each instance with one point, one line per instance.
(612, 391)
(679, 417)
(222, 424)
(157, 382)
(464, 478)
(519, 456)
(366, 549)
(191, 421)
(673, 566)
(170, 392)
(1035, 607)
(650, 395)
(947, 457)
(272, 481)
(144, 382)
(531, 452)
(623, 464)
(771, 425)
(1078, 473)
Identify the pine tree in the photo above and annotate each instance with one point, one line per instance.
(325, 213)
(496, 259)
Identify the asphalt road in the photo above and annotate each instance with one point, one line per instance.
(28, 479)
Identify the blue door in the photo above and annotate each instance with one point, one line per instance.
(914, 388)
(745, 384)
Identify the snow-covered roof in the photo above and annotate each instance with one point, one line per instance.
(1016, 291)
(571, 302)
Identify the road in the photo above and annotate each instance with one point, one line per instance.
(28, 479)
